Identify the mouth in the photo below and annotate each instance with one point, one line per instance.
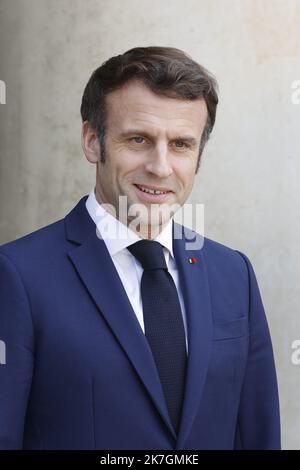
(152, 193)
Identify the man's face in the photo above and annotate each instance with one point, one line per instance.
(152, 143)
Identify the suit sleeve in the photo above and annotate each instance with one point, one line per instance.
(258, 419)
(16, 364)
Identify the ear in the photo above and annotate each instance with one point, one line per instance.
(90, 143)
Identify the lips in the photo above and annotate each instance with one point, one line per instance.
(154, 188)
(153, 194)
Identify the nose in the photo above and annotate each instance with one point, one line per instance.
(159, 162)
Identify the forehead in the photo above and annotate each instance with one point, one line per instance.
(134, 104)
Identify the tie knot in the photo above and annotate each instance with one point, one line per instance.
(149, 253)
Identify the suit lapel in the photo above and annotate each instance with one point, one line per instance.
(194, 283)
(97, 271)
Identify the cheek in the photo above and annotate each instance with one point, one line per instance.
(191, 180)
(129, 167)
(186, 175)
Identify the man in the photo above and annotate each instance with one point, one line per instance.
(118, 335)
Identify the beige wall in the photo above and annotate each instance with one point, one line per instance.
(249, 175)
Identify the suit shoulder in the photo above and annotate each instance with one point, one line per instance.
(210, 246)
(36, 243)
(216, 254)
(218, 248)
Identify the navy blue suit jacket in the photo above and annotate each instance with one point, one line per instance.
(79, 373)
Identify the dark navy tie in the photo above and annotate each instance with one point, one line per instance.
(163, 322)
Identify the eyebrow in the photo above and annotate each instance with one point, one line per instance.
(186, 138)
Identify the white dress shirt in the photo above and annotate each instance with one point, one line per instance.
(128, 267)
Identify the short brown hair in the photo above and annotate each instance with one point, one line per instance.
(165, 70)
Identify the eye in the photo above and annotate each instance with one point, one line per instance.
(137, 139)
(181, 144)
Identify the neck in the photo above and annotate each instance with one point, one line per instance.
(149, 232)
(144, 230)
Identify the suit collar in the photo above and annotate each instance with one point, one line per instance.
(78, 223)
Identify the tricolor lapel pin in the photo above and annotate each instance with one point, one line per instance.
(192, 260)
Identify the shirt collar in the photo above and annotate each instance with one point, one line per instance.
(118, 236)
